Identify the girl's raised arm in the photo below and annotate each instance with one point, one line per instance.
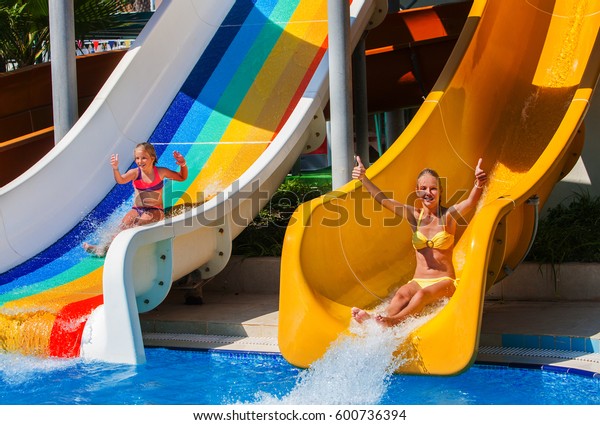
(471, 201)
(121, 178)
(391, 204)
(183, 170)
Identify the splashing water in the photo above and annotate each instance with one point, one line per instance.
(17, 369)
(102, 234)
(357, 367)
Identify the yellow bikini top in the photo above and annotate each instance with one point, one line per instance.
(441, 240)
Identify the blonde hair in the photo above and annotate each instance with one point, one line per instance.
(432, 173)
(149, 150)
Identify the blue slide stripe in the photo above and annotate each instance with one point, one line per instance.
(120, 193)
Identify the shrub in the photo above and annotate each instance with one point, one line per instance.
(569, 233)
(264, 236)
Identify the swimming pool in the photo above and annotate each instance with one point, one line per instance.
(179, 377)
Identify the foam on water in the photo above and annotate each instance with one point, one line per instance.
(357, 367)
(16, 369)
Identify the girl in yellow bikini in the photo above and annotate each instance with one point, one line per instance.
(433, 228)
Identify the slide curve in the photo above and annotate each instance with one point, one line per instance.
(238, 87)
(514, 92)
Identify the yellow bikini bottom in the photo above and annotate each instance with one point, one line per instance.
(424, 283)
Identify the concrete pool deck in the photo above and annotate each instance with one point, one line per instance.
(239, 315)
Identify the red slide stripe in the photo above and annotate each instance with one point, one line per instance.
(67, 331)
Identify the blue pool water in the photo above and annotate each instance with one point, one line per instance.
(179, 377)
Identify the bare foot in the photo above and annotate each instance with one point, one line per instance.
(95, 249)
(386, 321)
(360, 315)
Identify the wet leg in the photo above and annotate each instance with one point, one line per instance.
(421, 299)
(402, 297)
(127, 222)
(97, 250)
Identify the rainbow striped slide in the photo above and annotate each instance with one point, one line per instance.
(238, 88)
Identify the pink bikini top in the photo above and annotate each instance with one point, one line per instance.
(142, 186)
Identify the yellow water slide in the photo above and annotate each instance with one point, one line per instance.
(514, 92)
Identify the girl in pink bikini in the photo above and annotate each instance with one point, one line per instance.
(147, 180)
(433, 228)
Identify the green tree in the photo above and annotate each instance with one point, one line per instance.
(23, 35)
(24, 26)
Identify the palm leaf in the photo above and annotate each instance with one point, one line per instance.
(93, 15)
(24, 25)
(22, 40)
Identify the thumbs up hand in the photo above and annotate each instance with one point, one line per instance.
(358, 172)
(480, 174)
